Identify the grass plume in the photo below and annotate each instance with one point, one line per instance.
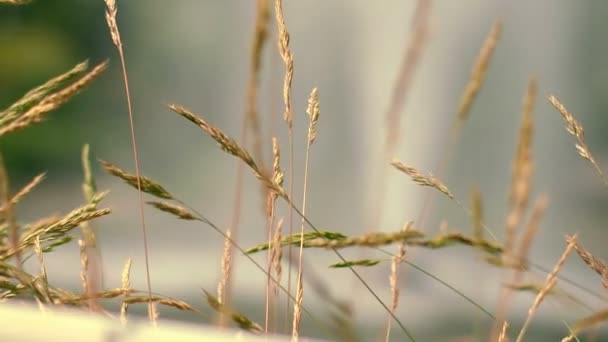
(576, 130)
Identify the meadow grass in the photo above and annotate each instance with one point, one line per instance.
(19, 241)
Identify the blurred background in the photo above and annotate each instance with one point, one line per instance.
(196, 53)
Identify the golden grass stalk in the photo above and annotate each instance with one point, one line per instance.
(420, 178)
(37, 112)
(277, 178)
(596, 264)
(250, 121)
(418, 39)
(394, 280)
(479, 71)
(521, 176)
(313, 117)
(576, 129)
(287, 57)
(230, 146)
(125, 284)
(550, 282)
(115, 34)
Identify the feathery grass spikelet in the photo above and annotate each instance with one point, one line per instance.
(226, 263)
(148, 185)
(276, 251)
(125, 283)
(313, 114)
(111, 20)
(51, 102)
(297, 307)
(172, 302)
(84, 265)
(550, 282)
(230, 146)
(241, 320)
(421, 179)
(277, 174)
(596, 264)
(576, 129)
(35, 95)
(52, 231)
(479, 71)
(174, 209)
(287, 57)
(394, 279)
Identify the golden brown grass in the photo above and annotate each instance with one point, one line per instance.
(576, 129)
(550, 283)
(48, 233)
(479, 71)
(287, 58)
(18, 119)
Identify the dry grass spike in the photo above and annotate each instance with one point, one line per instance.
(576, 129)
(420, 178)
(479, 71)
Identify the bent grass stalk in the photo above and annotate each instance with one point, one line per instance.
(115, 34)
(287, 57)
